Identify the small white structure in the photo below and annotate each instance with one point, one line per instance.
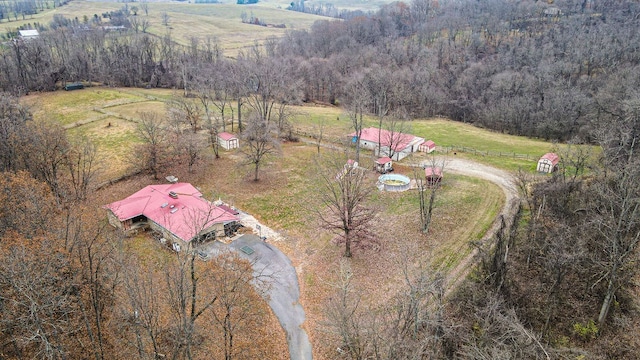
(228, 141)
(384, 165)
(548, 163)
(28, 34)
(428, 146)
(552, 11)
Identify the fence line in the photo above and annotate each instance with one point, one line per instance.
(448, 149)
(441, 149)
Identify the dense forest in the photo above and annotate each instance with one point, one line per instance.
(560, 283)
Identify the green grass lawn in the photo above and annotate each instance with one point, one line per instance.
(504, 151)
(115, 139)
(69, 107)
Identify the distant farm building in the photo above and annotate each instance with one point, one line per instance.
(552, 11)
(177, 211)
(28, 34)
(384, 165)
(433, 175)
(548, 163)
(227, 140)
(73, 86)
(427, 146)
(395, 145)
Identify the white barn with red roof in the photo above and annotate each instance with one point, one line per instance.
(395, 145)
(548, 163)
(228, 140)
(177, 211)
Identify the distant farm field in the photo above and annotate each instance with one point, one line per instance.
(222, 22)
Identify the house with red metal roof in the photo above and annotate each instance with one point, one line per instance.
(178, 211)
(548, 163)
(385, 143)
(228, 140)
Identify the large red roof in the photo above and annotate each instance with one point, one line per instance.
(397, 139)
(185, 215)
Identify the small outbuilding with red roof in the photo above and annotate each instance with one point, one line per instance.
(178, 211)
(428, 146)
(384, 165)
(433, 175)
(548, 163)
(228, 140)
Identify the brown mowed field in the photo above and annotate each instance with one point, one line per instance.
(278, 200)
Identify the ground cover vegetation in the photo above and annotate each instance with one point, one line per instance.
(557, 282)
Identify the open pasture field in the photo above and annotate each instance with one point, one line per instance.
(89, 112)
(445, 133)
(189, 20)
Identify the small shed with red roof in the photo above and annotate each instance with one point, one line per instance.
(548, 163)
(428, 146)
(228, 140)
(433, 175)
(178, 211)
(384, 165)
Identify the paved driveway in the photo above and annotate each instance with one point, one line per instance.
(274, 267)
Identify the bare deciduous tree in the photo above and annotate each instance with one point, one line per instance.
(259, 142)
(357, 102)
(182, 110)
(81, 164)
(319, 127)
(343, 194)
(13, 119)
(165, 18)
(428, 189)
(153, 132)
(45, 154)
(235, 312)
(187, 296)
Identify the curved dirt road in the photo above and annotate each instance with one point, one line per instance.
(499, 177)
